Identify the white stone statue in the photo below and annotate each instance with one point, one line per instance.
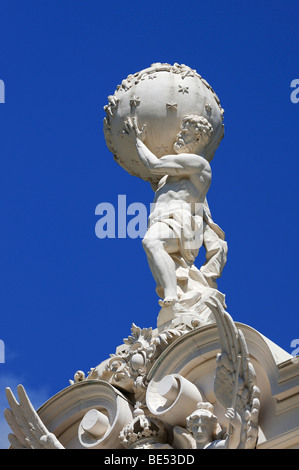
(176, 221)
(164, 125)
(205, 430)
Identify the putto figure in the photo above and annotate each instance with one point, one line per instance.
(179, 222)
(204, 427)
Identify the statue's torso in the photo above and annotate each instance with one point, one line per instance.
(180, 193)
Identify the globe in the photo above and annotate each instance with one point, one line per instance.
(159, 97)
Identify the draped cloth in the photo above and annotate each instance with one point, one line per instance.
(193, 231)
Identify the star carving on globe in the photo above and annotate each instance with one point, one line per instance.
(172, 106)
(135, 101)
(183, 89)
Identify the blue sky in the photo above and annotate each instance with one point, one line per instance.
(68, 298)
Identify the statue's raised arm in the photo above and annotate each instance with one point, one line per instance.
(190, 142)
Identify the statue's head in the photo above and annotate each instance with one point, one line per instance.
(203, 424)
(194, 136)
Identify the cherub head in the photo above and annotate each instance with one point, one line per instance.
(203, 424)
(194, 136)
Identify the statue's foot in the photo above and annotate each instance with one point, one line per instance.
(168, 301)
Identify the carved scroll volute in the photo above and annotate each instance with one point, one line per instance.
(172, 399)
(100, 426)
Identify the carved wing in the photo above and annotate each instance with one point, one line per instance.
(235, 378)
(29, 430)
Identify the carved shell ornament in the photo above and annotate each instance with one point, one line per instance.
(159, 97)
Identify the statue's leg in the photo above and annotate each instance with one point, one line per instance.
(158, 243)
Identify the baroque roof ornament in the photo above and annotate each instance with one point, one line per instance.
(128, 368)
(234, 387)
(189, 383)
(144, 115)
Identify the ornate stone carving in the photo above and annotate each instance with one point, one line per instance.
(144, 432)
(112, 106)
(29, 431)
(235, 379)
(167, 387)
(128, 368)
(134, 102)
(87, 415)
(172, 399)
(183, 89)
(234, 387)
(204, 427)
(172, 106)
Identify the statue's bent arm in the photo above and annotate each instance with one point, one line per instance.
(182, 164)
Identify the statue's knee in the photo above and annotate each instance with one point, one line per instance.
(151, 245)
